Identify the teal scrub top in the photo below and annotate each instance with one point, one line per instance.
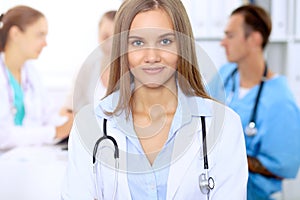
(18, 97)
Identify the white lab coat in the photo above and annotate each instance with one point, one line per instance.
(226, 156)
(39, 121)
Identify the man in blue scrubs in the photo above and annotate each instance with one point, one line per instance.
(263, 98)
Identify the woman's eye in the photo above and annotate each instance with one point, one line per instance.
(137, 43)
(166, 41)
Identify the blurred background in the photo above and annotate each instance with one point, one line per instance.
(73, 27)
(73, 35)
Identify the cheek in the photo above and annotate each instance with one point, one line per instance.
(170, 59)
(135, 58)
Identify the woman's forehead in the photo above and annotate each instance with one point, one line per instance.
(157, 18)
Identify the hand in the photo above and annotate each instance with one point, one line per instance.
(255, 166)
(63, 131)
(65, 111)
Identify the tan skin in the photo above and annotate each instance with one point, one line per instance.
(155, 95)
(245, 51)
(28, 44)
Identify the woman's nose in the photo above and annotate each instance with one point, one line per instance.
(152, 55)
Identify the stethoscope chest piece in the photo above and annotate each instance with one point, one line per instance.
(206, 184)
(251, 129)
(13, 110)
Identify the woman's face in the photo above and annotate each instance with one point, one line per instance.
(32, 40)
(105, 31)
(152, 49)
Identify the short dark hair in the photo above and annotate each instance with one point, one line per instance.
(255, 19)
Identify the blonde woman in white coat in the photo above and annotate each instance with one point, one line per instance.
(150, 127)
(25, 116)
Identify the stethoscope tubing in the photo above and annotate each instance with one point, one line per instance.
(252, 122)
(9, 87)
(204, 178)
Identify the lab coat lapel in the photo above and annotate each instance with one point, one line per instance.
(186, 148)
(187, 143)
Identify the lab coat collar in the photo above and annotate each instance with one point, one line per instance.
(189, 106)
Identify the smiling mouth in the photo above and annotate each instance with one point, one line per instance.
(153, 70)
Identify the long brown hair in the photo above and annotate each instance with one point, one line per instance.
(120, 77)
(20, 16)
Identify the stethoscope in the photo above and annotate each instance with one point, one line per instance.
(206, 183)
(11, 98)
(250, 129)
(13, 108)
(116, 157)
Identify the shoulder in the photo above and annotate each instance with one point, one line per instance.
(87, 125)
(32, 75)
(226, 69)
(215, 110)
(107, 104)
(30, 69)
(278, 93)
(225, 121)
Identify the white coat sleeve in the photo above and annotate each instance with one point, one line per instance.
(232, 167)
(79, 179)
(40, 119)
(79, 182)
(12, 136)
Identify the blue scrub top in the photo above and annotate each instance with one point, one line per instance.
(277, 143)
(18, 97)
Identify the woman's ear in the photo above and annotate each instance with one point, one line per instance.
(14, 32)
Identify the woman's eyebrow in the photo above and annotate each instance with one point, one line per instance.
(167, 35)
(171, 34)
(135, 37)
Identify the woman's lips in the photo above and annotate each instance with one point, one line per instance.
(153, 70)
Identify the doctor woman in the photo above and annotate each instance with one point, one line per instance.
(155, 115)
(25, 117)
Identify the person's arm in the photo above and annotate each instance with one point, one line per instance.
(13, 136)
(280, 142)
(255, 166)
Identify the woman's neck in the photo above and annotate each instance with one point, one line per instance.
(144, 99)
(153, 113)
(14, 63)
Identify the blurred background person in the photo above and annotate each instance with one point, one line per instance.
(262, 98)
(25, 115)
(92, 91)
